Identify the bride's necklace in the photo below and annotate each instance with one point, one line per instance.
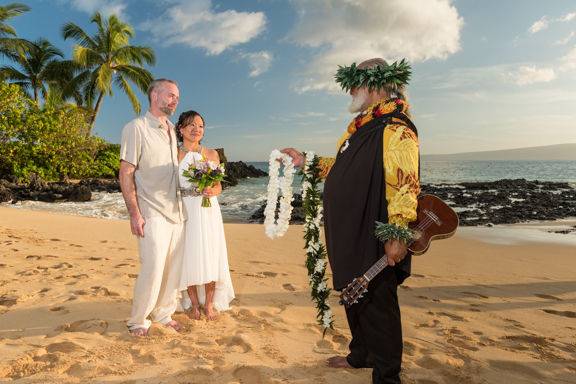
(185, 149)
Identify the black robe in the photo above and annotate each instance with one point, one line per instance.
(354, 198)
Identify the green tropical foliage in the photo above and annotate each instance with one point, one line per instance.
(106, 59)
(8, 42)
(49, 142)
(38, 67)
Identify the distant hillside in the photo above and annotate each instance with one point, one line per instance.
(548, 152)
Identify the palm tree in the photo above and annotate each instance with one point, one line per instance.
(107, 59)
(39, 65)
(8, 43)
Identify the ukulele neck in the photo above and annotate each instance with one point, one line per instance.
(378, 267)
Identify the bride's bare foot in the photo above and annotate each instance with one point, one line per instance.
(211, 313)
(194, 312)
(338, 362)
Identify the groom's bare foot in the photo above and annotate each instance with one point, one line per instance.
(174, 325)
(138, 332)
(194, 312)
(338, 362)
(211, 313)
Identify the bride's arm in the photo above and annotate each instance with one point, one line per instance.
(216, 189)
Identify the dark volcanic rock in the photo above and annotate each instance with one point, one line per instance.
(298, 215)
(236, 170)
(5, 194)
(80, 193)
(487, 203)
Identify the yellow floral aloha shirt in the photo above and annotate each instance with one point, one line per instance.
(400, 157)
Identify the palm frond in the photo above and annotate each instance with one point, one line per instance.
(73, 31)
(130, 54)
(124, 86)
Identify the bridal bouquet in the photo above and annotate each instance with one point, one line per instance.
(204, 174)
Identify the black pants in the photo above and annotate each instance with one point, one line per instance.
(377, 330)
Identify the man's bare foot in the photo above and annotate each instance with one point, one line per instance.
(194, 312)
(174, 325)
(338, 362)
(211, 313)
(138, 332)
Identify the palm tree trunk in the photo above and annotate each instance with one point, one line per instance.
(96, 109)
(36, 95)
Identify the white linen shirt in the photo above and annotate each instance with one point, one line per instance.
(152, 149)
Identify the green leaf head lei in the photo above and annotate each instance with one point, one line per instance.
(393, 76)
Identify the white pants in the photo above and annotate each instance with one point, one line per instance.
(156, 288)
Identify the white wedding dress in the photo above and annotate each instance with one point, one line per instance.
(205, 256)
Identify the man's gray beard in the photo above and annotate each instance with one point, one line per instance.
(167, 111)
(357, 103)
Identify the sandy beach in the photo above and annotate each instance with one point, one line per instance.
(478, 309)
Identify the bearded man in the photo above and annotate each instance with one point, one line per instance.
(374, 177)
(149, 183)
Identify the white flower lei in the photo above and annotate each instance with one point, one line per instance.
(315, 250)
(277, 228)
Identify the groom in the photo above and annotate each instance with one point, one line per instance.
(374, 177)
(149, 183)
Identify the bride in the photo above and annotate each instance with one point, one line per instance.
(205, 273)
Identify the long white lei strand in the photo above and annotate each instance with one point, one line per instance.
(276, 228)
(315, 250)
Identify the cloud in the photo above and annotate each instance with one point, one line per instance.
(346, 31)
(566, 40)
(539, 25)
(529, 74)
(197, 25)
(105, 7)
(259, 62)
(545, 22)
(568, 61)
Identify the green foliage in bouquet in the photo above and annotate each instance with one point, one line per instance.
(204, 176)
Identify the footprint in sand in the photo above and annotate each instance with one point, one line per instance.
(123, 265)
(8, 300)
(64, 347)
(475, 294)
(89, 326)
(569, 314)
(248, 375)
(452, 316)
(62, 265)
(94, 258)
(269, 274)
(547, 297)
(289, 287)
(103, 291)
(60, 310)
(33, 257)
(55, 240)
(238, 343)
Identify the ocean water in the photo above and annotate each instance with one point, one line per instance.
(239, 202)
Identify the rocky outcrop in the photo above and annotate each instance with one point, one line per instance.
(487, 203)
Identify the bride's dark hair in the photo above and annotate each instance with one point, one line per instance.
(185, 119)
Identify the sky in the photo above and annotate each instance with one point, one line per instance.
(487, 74)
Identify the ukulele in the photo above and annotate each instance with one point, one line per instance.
(435, 220)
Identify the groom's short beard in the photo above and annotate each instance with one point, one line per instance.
(167, 110)
(358, 101)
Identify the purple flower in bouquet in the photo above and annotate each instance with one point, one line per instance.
(204, 174)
